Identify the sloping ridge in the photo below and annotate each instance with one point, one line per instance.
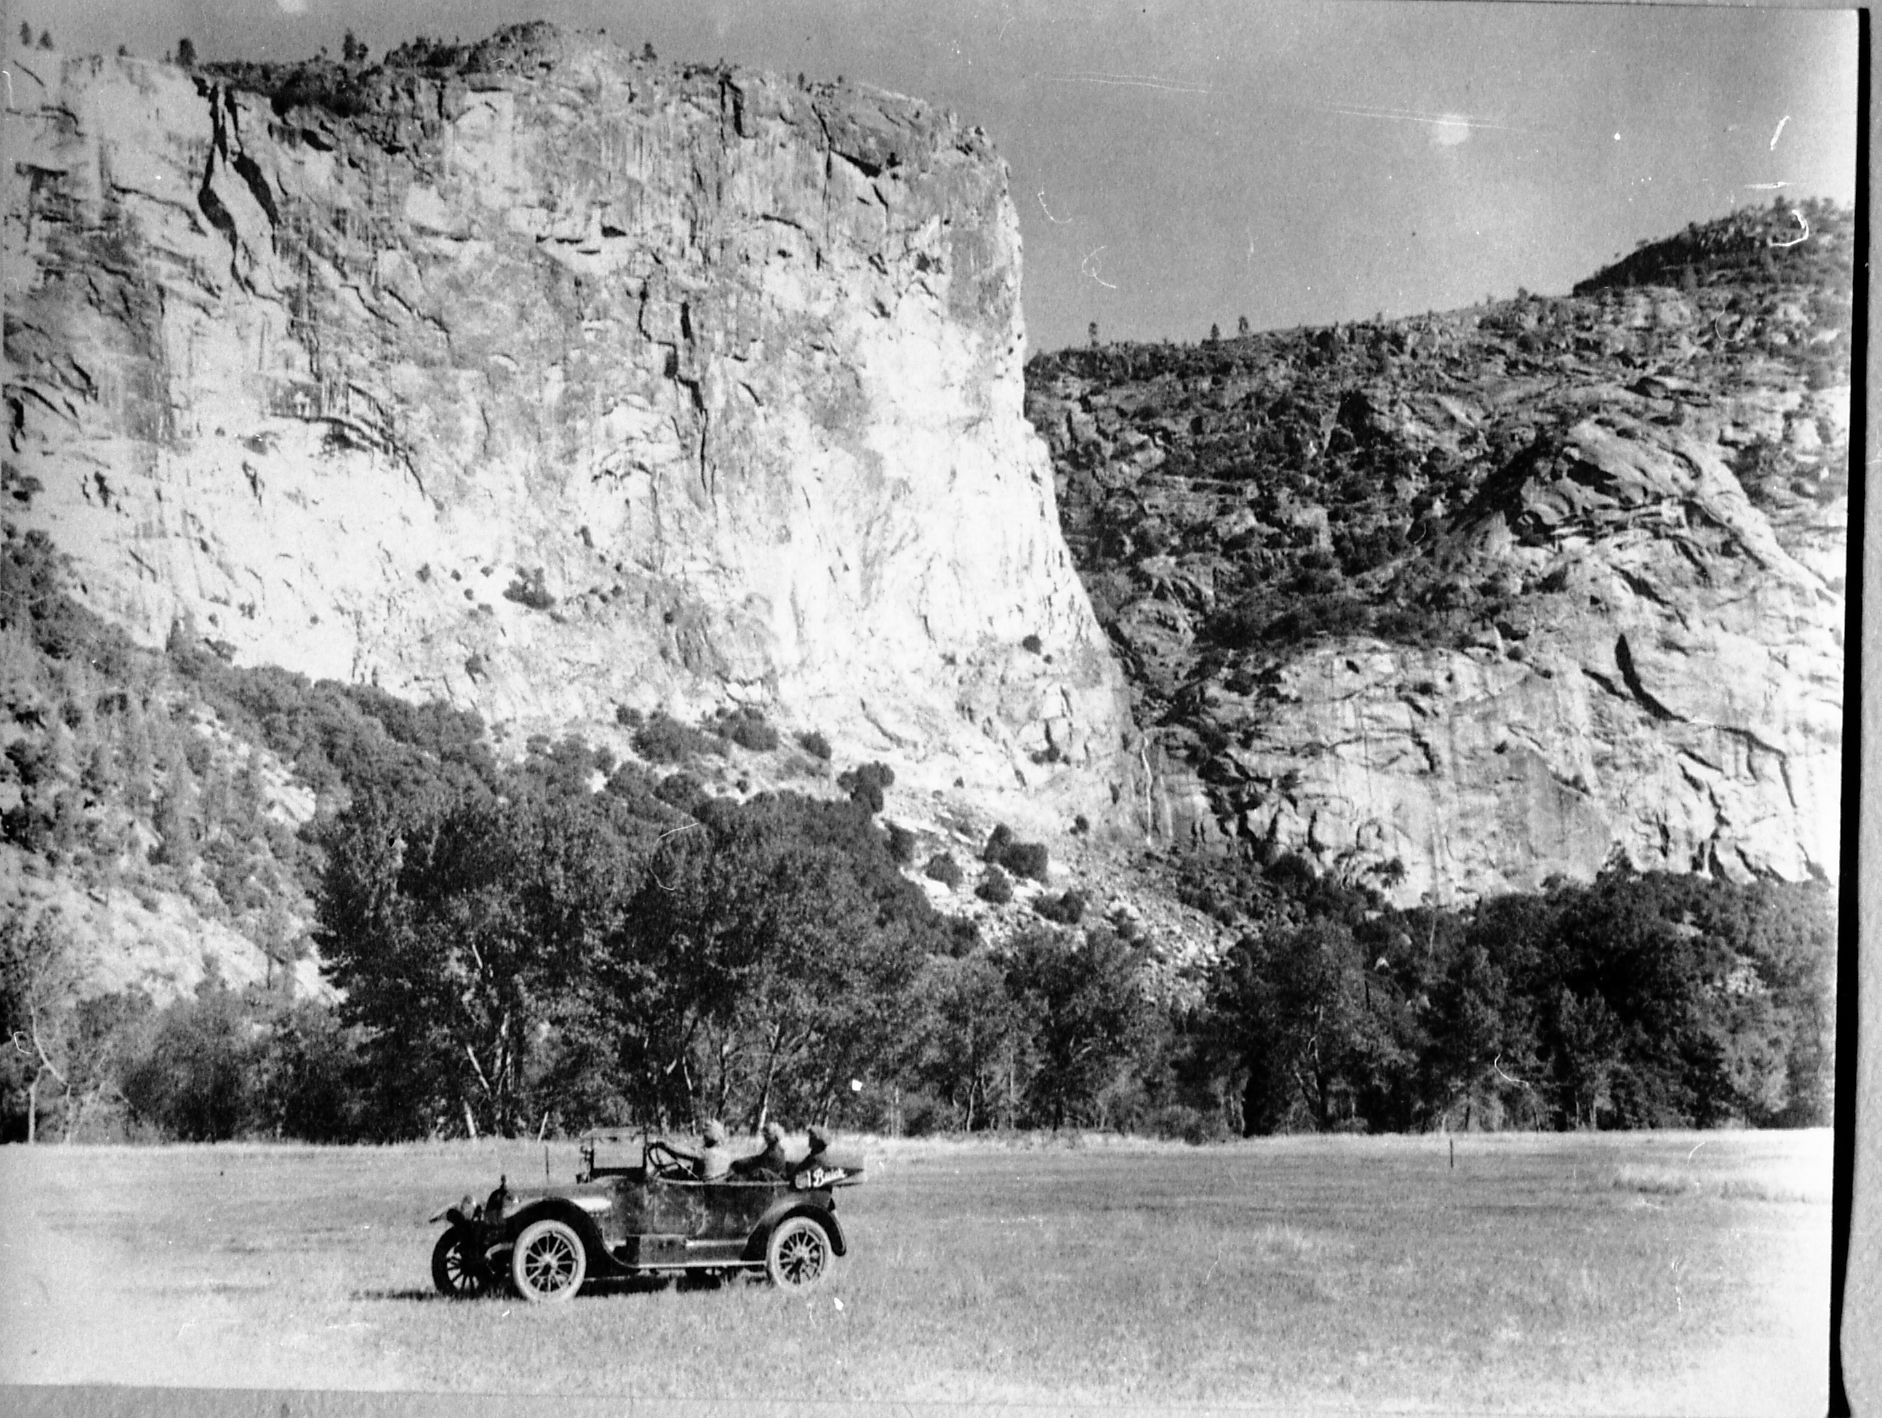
(1458, 602)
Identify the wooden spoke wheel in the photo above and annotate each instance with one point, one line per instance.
(798, 1255)
(549, 1263)
(457, 1269)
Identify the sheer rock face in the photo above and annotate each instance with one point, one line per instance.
(1670, 692)
(558, 382)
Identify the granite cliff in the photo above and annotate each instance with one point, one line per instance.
(547, 382)
(1458, 602)
(552, 383)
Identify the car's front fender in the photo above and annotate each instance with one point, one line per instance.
(783, 1211)
(456, 1212)
(562, 1209)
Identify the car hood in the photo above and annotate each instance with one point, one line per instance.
(589, 1196)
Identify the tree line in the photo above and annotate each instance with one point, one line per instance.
(538, 960)
(1635, 1000)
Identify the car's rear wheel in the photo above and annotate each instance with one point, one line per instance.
(549, 1262)
(458, 1269)
(798, 1254)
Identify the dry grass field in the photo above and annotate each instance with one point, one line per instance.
(1651, 1273)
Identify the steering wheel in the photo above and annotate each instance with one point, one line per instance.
(663, 1160)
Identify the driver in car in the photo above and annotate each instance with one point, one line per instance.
(713, 1159)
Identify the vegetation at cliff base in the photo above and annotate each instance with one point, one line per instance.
(1635, 1000)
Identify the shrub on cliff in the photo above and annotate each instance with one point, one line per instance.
(943, 868)
(901, 844)
(664, 739)
(1021, 858)
(1027, 859)
(865, 782)
(1067, 909)
(682, 790)
(526, 588)
(638, 790)
(747, 727)
(1318, 617)
(994, 887)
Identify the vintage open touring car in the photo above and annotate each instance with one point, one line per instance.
(655, 1219)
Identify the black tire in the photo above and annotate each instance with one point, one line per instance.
(457, 1269)
(798, 1255)
(549, 1262)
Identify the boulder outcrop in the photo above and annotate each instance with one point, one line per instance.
(547, 381)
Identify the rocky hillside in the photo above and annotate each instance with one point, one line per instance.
(556, 385)
(1461, 601)
(588, 397)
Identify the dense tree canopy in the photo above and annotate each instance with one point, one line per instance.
(1631, 1001)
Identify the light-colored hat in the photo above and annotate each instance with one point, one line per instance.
(772, 1132)
(713, 1131)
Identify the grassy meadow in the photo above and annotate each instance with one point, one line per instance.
(1654, 1273)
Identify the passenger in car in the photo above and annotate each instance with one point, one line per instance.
(819, 1144)
(770, 1163)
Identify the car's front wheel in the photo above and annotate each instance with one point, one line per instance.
(549, 1262)
(798, 1254)
(457, 1268)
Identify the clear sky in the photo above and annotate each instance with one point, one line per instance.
(1183, 162)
